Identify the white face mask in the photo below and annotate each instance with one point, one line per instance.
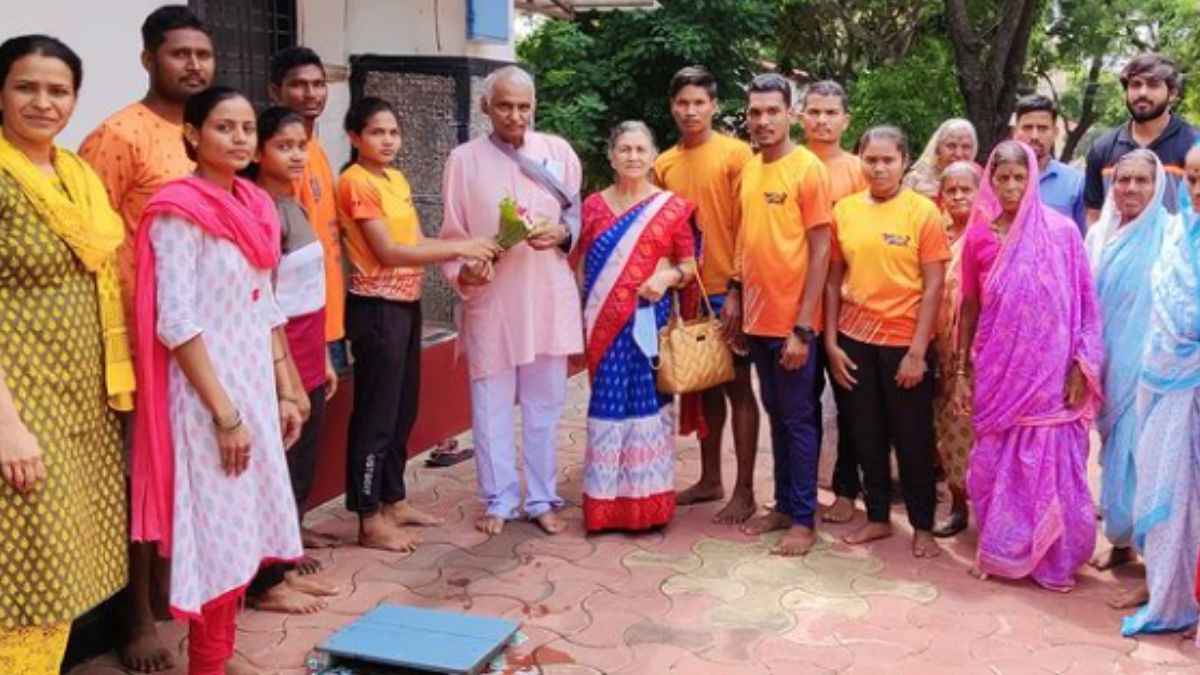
(645, 331)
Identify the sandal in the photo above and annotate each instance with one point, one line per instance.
(447, 453)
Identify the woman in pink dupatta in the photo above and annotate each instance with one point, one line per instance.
(215, 404)
(1030, 335)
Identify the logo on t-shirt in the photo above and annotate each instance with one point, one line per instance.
(775, 197)
(896, 239)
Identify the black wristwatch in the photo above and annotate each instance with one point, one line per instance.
(806, 335)
(733, 285)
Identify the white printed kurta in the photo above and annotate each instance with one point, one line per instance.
(224, 527)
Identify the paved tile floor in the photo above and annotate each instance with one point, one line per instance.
(701, 598)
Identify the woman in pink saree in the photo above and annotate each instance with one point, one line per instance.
(1030, 336)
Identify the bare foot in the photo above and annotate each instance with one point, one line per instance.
(923, 545)
(1134, 597)
(768, 522)
(307, 565)
(314, 539)
(144, 652)
(285, 599)
(375, 531)
(310, 586)
(700, 492)
(550, 522)
(840, 511)
(797, 541)
(240, 665)
(403, 513)
(740, 507)
(490, 524)
(1115, 557)
(869, 532)
(977, 572)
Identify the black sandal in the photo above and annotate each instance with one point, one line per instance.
(447, 453)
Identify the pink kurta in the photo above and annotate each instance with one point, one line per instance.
(532, 306)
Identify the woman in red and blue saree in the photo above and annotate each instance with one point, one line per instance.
(1122, 247)
(1031, 336)
(1166, 508)
(636, 245)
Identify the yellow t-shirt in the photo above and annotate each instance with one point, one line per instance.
(708, 175)
(845, 176)
(364, 196)
(780, 202)
(315, 192)
(883, 247)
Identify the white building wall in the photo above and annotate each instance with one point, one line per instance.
(339, 29)
(106, 35)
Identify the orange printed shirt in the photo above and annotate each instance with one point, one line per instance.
(135, 151)
(845, 176)
(780, 201)
(364, 196)
(316, 193)
(708, 175)
(883, 246)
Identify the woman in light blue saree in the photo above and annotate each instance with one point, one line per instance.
(1167, 504)
(1122, 247)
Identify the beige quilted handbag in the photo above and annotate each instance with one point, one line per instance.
(692, 355)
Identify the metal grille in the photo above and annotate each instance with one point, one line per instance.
(245, 35)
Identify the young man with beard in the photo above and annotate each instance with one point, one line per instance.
(775, 297)
(1060, 185)
(1151, 83)
(135, 151)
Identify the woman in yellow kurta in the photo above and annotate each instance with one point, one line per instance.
(64, 365)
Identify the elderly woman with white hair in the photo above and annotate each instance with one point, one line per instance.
(954, 141)
(520, 316)
(636, 246)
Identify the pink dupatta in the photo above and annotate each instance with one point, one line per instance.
(1038, 315)
(247, 217)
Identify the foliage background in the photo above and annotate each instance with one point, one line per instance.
(895, 57)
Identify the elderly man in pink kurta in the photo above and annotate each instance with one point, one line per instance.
(521, 314)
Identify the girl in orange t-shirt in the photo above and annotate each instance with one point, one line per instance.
(882, 297)
(383, 321)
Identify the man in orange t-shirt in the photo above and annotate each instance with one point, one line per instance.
(704, 167)
(779, 277)
(135, 151)
(297, 81)
(825, 112)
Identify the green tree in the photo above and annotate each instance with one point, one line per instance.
(602, 68)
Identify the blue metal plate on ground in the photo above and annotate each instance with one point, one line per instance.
(423, 640)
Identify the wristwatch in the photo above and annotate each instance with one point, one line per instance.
(806, 334)
(733, 285)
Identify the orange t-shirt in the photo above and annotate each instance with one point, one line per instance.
(883, 247)
(708, 175)
(780, 202)
(364, 196)
(135, 152)
(845, 176)
(316, 192)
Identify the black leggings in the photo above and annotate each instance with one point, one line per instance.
(881, 415)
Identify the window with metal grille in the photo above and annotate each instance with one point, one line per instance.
(245, 35)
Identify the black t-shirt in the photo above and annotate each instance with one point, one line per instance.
(1171, 146)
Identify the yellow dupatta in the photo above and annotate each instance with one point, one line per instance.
(84, 219)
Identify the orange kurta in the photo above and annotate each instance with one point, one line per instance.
(135, 151)
(317, 193)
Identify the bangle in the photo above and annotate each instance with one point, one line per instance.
(228, 427)
(281, 359)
